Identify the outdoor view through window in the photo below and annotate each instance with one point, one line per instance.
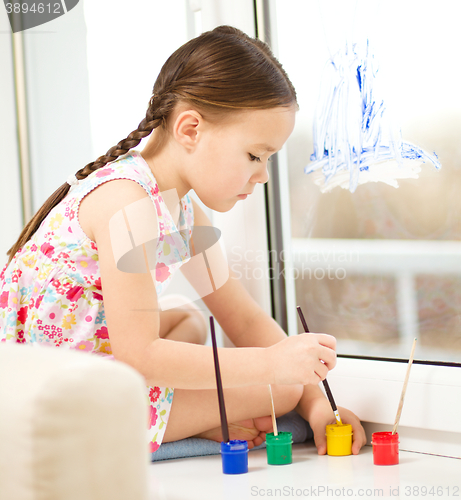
(381, 265)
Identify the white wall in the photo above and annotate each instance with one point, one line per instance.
(57, 101)
(126, 50)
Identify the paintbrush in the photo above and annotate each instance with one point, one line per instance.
(325, 383)
(222, 408)
(274, 422)
(404, 390)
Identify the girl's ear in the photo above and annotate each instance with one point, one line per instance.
(187, 128)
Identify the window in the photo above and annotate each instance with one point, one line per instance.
(399, 248)
(380, 266)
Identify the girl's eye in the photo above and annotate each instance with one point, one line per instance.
(254, 158)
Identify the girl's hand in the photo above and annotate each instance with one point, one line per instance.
(302, 359)
(321, 415)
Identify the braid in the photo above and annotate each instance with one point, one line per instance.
(152, 120)
(156, 115)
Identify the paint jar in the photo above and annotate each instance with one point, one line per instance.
(339, 439)
(234, 455)
(385, 448)
(279, 448)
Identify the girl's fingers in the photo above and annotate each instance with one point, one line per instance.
(325, 340)
(321, 445)
(320, 439)
(321, 370)
(359, 438)
(328, 356)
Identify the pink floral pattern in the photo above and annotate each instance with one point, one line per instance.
(51, 293)
(154, 394)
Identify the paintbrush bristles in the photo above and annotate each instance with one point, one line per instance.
(222, 407)
(402, 397)
(274, 422)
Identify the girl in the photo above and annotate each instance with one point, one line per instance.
(221, 105)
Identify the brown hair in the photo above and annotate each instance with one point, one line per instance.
(220, 71)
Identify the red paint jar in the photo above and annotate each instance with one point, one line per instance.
(385, 448)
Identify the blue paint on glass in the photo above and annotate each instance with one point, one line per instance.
(351, 132)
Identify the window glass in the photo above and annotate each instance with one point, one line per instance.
(381, 265)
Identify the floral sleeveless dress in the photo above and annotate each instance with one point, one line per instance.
(51, 294)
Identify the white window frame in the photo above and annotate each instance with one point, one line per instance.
(11, 99)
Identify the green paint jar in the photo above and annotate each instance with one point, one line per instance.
(279, 448)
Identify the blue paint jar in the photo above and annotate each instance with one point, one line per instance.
(234, 456)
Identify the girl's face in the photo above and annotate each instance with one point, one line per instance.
(231, 156)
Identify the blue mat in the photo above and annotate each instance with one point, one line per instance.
(196, 447)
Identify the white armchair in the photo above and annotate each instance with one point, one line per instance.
(72, 426)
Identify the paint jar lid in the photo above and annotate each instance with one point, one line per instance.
(384, 438)
(234, 446)
(282, 438)
(338, 430)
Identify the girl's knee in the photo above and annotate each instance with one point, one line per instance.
(182, 320)
(286, 397)
(198, 324)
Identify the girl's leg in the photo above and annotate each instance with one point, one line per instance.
(196, 413)
(181, 321)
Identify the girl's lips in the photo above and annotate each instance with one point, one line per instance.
(242, 196)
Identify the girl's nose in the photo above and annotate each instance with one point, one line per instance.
(262, 176)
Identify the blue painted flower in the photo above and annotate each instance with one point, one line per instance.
(26, 290)
(50, 296)
(170, 397)
(76, 277)
(12, 318)
(100, 317)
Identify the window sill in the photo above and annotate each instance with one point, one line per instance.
(430, 417)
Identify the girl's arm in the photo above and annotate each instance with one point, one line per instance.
(241, 317)
(247, 324)
(131, 309)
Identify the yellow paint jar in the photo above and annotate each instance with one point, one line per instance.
(339, 439)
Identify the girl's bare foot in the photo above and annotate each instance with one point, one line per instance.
(252, 430)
